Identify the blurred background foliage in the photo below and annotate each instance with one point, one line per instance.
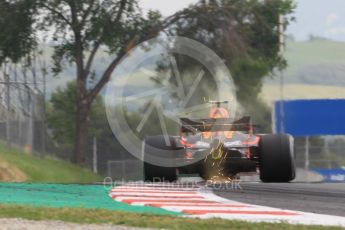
(243, 33)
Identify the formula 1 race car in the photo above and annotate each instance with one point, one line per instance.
(216, 146)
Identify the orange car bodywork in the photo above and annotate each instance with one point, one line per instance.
(218, 113)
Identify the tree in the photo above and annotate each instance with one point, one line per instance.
(81, 29)
(84, 27)
(245, 35)
(60, 118)
(16, 36)
(61, 112)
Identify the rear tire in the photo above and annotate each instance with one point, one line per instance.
(276, 158)
(155, 173)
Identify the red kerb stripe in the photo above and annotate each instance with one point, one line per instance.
(129, 201)
(203, 212)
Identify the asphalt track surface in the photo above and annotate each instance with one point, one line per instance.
(321, 198)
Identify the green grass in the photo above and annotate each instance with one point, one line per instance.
(69, 196)
(47, 169)
(97, 216)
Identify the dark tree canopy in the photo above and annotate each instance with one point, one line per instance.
(16, 22)
(244, 33)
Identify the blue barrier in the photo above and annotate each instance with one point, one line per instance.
(332, 175)
(310, 117)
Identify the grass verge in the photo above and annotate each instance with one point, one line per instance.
(98, 216)
(46, 169)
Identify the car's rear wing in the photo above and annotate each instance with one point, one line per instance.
(215, 124)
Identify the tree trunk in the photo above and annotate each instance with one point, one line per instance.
(81, 134)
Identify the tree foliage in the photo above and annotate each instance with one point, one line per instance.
(16, 37)
(61, 112)
(244, 33)
(81, 28)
